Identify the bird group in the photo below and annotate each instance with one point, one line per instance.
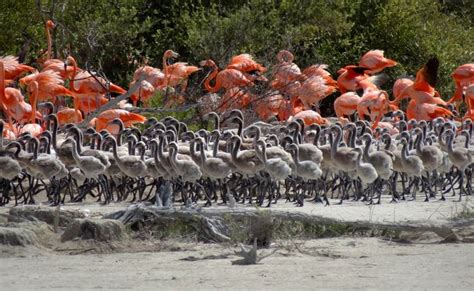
(288, 149)
(260, 163)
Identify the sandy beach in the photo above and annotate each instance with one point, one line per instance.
(345, 262)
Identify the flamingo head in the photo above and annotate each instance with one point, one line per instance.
(207, 63)
(170, 54)
(285, 56)
(50, 24)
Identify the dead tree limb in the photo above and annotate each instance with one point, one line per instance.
(111, 104)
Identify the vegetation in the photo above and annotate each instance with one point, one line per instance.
(115, 36)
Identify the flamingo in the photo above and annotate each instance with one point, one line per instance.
(143, 93)
(374, 103)
(426, 111)
(176, 73)
(49, 86)
(310, 117)
(13, 103)
(55, 65)
(86, 84)
(290, 107)
(422, 90)
(425, 99)
(313, 90)
(349, 78)
(13, 69)
(69, 115)
(235, 98)
(399, 86)
(88, 104)
(469, 101)
(375, 61)
(346, 104)
(320, 70)
(49, 26)
(128, 118)
(226, 79)
(285, 72)
(245, 63)
(153, 76)
(463, 76)
(269, 107)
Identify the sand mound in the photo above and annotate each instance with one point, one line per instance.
(45, 214)
(24, 234)
(100, 230)
(17, 237)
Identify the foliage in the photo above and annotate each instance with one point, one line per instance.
(115, 36)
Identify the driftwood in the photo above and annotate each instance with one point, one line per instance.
(250, 255)
(247, 225)
(110, 105)
(207, 228)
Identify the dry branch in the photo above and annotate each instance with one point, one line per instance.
(111, 104)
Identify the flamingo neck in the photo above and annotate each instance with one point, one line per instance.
(215, 149)
(155, 153)
(418, 139)
(404, 151)
(450, 143)
(74, 73)
(114, 151)
(173, 155)
(35, 144)
(203, 154)
(352, 138)
(99, 142)
(258, 133)
(119, 134)
(296, 134)
(217, 124)
(239, 131)
(2, 82)
(317, 136)
(33, 101)
(54, 133)
(161, 148)
(368, 142)
(264, 154)
(336, 142)
(1, 134)
(296, 154)
(50, 43)
(236, 148)
(77, 135)
(212, 75)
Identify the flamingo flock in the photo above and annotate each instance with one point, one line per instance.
(282, 147)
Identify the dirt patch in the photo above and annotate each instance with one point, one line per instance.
(97, 229)
(46, 214)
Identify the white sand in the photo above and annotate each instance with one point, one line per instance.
(325, 263)
(353, 263)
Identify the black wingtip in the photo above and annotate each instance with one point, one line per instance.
(431, 71)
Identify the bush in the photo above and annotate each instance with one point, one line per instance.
(114, 37)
